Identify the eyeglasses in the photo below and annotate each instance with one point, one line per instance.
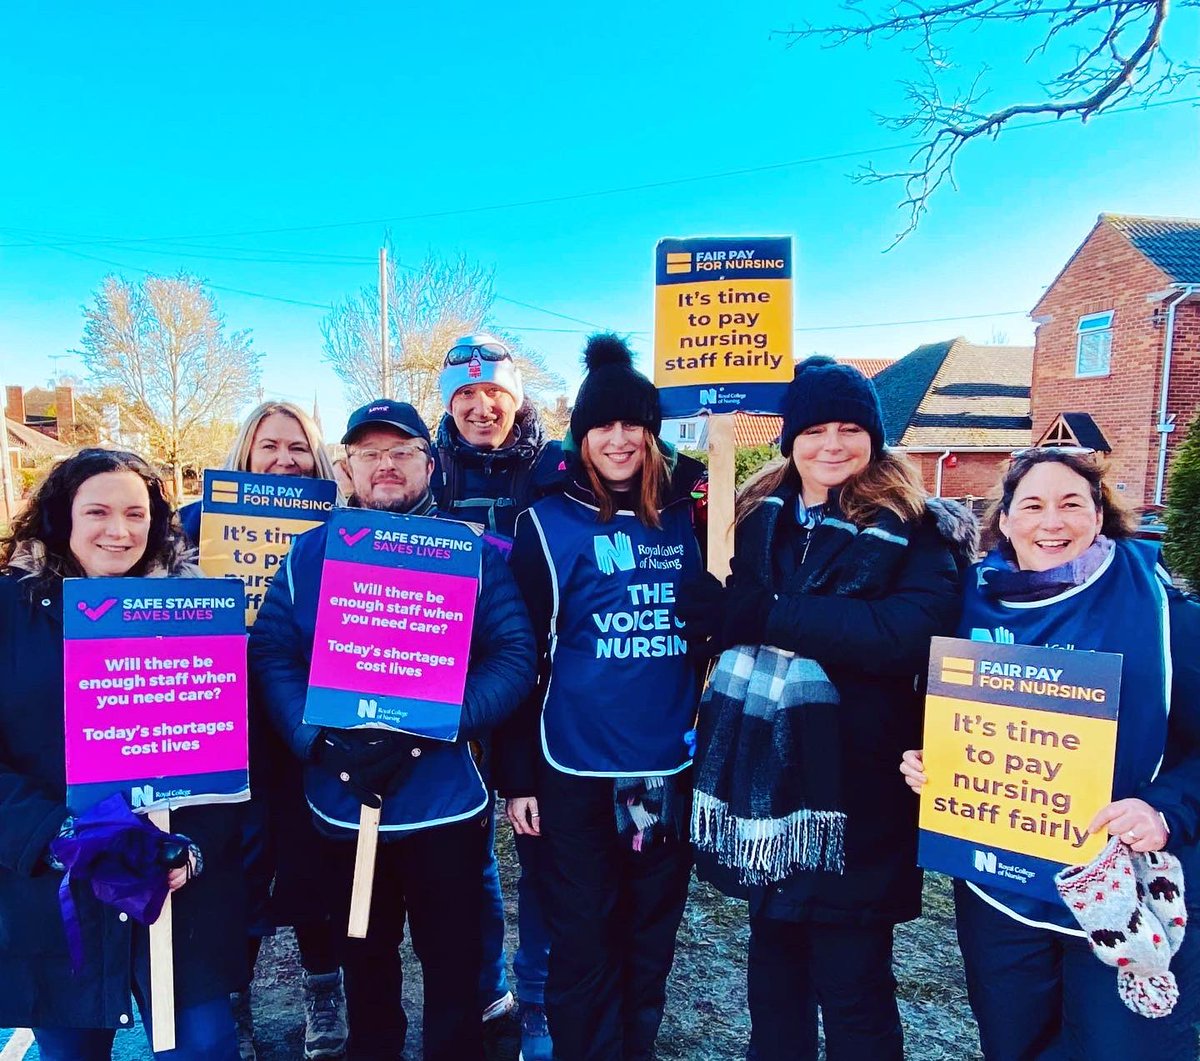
(398, 454)
(460, 355)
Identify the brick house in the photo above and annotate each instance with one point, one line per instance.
(1117, 357)
(958, 410)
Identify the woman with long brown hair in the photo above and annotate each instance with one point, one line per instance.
(842, 572)
(599, 767)
(99, 514)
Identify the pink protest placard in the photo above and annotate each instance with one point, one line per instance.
(406, 636)
(394, 618)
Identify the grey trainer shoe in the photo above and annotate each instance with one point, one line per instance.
(325, 1030)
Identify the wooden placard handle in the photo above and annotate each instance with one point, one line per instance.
(162, 964)
(721, 478)
(364, 872)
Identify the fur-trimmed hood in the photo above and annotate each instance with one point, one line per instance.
(959, 527)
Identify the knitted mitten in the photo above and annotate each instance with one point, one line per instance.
(1160, 888)
(1122, 932)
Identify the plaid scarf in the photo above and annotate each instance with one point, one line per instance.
(768, 798)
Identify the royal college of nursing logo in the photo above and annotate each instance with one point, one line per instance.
(998, 635)
(613, 554)
(985, 861)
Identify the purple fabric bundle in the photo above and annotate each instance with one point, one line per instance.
(120, 854)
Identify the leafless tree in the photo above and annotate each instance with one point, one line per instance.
(162, 345)
(429, 306)
(1104, 52)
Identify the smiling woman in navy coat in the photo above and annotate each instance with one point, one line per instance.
(99, 513)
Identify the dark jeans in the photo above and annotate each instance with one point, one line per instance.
(1040, 995)
(612, 915)
(795, 968)
(436, 877)
(533, 945)
(316, 943)
(204, 1032)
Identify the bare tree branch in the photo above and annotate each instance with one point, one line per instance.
(1113, 52)
(163, 346)
(429, 306)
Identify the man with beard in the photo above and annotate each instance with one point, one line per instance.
(435, 807)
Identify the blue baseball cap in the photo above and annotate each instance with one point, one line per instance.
(386, 412)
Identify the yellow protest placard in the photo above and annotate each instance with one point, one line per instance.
(723, 324)
(1019, 749)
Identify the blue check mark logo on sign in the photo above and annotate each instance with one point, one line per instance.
(615, 553)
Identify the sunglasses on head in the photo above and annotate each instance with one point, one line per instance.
(460, 355)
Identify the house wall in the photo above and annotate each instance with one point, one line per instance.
(1107, 273)
(976, 474)
(1183, 392)
(670, 432)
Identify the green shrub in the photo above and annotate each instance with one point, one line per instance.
(1182, 547)
(746, 461)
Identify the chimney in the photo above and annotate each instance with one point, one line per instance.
(64, 404)
(14, 404)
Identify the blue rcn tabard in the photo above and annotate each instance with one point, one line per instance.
(1121, 608)
(621, 692)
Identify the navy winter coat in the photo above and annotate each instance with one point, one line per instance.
(876, 652)
(37, 986)
(499, 675)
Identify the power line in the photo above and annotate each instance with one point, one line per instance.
(924, 320)
(552, 199)
(285, 256)
(215, 287)
(590, 325)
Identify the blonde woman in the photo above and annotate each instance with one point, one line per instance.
(279, 438)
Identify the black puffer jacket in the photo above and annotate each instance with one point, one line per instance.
(37, 986)
(492, 487)
(876, 653)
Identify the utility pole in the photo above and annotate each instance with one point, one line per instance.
(6, 468)
(385, 371)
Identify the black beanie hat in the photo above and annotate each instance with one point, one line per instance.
(613, 390)
(822, 392)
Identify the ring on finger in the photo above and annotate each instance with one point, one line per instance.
(1131, 837)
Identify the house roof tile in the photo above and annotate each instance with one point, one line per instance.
(1171, 243)
(956, 393)
(28, 438)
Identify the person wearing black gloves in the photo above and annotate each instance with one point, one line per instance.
(843, 570)
(100, 513)
(432, 799)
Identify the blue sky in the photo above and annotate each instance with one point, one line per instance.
(148, 122)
